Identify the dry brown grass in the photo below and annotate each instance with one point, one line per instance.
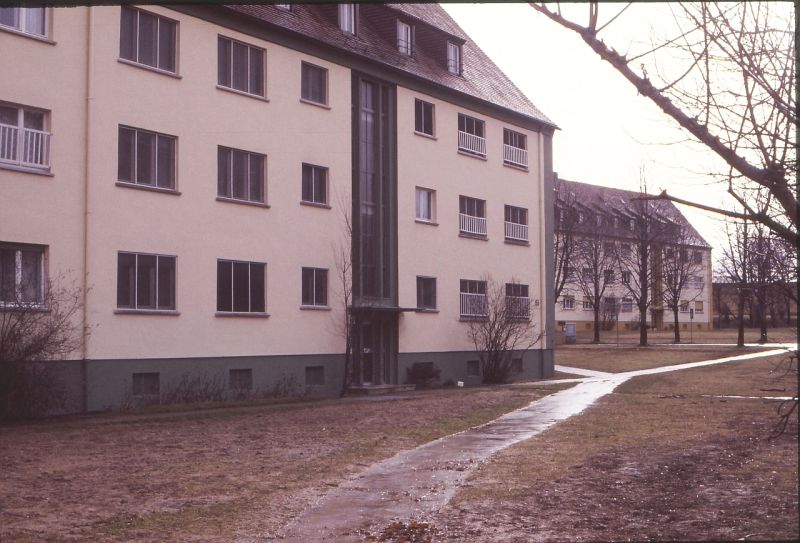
(654, 460)
(726, 335)
(621, 359)
(213, 475)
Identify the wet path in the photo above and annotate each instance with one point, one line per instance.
(418, 482)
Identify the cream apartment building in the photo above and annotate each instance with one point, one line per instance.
(584, 211)
(199, 171)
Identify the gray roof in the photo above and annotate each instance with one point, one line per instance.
(611, 201)
(481, 78)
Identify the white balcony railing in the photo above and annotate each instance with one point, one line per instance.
(474, 305)
(471, 143)
(518, 307)
(470, 224)
(515, 155)
(516, 231)
(24, 147)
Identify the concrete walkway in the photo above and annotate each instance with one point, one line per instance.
(417, 483)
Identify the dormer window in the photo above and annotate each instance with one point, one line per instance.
(347, 18)
(453, 58)
(285, 7)
(405, 38)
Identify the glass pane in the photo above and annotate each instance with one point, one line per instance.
(256, 178)
(9, 115)
(321, 186)
(166, 45)
(307, 184)
(166, 282)
(125, 155)
(321, 287)
(223, 172)
(126, 277)
(239, 67)
(224, 62)
(241, 286)
(34, 21)
(166, 162)
(224, 285)
(31, 285)
(257, 300)
(9, 17)
(33, 119)
(239, 176)
(127, 34)
(148, 38)
(257, 71)
(146, 282)
(145, 158)
(308, 286)
(8, 274)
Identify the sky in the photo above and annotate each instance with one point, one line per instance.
(608, 133)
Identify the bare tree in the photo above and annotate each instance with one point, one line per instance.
(35, 330)
(343, 259)
(595, 259)
(680, 270)
(735, 264)
(729, 81)
(505, 330)
(566, 221)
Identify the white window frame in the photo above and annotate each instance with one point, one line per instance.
(469, 141)
(588, 303)
(422, 280)
(626, 305)
(134, 160)
(157, 45)
(473, 304)
(320, 70)
(18, 249)
(405, 38)
(423, 105)
(248, 198)
(250, 48)
(568, 303)
(683, 307)
(135, 307)
(453, 58)
(425, 197)
(516, 229)
(304, 302)
(698, 306)
(22, 147)
(348, 14)
(471, 221)
(515, 148)
(22, 20)
(316, 172)
(250, 310)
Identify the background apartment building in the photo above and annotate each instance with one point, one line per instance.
(600, 231)
(199, 171)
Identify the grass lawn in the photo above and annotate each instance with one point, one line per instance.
(215, 474)
(655, 460)
(725, 335)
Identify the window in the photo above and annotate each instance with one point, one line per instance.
(471, 137)
(608, 277)
(626, 278)
(315, 287)
(473, 298)
(518, 304)
(684, 255)
(146, 158)
(698, 307)
(423, 117)
(148, 39)
(610, 304)
(587, 274)
(515, 147)
(426, 292)
(23, 139)
(698, 257)
(608, 248)
(598, 219)
(472, 216)
(145, 281)
(315, 184)
(684, 306)
(568, 303)
(241, 379)
(405, 38)
(616, 222)
(625, 249)
(27, 20)
(240, 175)
(516, 223)
(453, 58)
(315, 375)
(347, 18)
(631, 225)
(240, 286)
(627, 305)
(313, 83)
(240, 67)
(146, 384)
(588, 303)
(21, 274)
(581, 217)
(285, 7)
(473, 368)
(569, 271)
(424, 205)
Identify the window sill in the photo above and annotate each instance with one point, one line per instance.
(517, 167)
(149, 68)
(314, 204)
(245, 314)
(242, 202)
(313, 103)
(424, 135)
(160, 312)
(24, 169)
(43, 39)
(423, 221)
(30, 308)
(127, 185)
(242, 93)
(464, 318)
(426, 310)
(315, 307)
(482, 237)
(518, 242)
(472, 155)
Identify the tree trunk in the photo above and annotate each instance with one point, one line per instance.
(740, 324)
(677, 325)
(596, 336)
(642, 327)
(763, 318)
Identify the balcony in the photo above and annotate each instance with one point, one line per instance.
(518, 307)
(516, 231)
(471, 143)
(470, 224)
(474, 306)
(515, 156)
(24, 147)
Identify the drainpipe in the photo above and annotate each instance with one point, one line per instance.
(87, 169)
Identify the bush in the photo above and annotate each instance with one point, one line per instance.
(423, 374)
